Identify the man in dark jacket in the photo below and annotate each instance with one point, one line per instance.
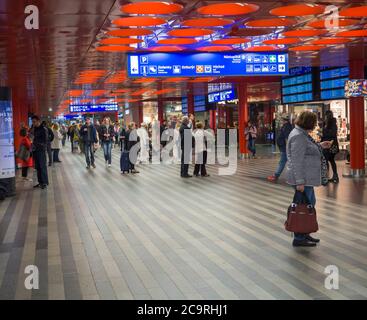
(39, 148)
(88, 134)
(285, 130)
(50, 138)
(186, 147)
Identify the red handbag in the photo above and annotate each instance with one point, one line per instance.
(301, 215)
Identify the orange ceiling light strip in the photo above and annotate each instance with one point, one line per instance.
(262, 48)
(114, 48)
(166, 49)
(207, 22)
(281, 41)
(295, 10)
(75, 93)
(150, 7)
(270, 23)
(202, 79)
(215, 48)
(177, 41)
(130, 32)
(145, 80)
(120, 41)
(175, 79)
(228, 9)
(96, 93)
(353, 33)
(304, 33)
(120, 91)
(139, 22)
(326, 41)
(307, 48)
(342, 23)
(231, 41)
(360, 11)
(163, 91)
(190, 32)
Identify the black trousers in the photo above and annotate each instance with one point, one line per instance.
(184, 166)
(89, 154)
(200, 167)
(40, 163)
(24, 172)
(49, 153)
(330, 157)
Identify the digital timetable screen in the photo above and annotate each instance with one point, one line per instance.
(299, 87)
(207, 64)
(332, 82)
(80, 108)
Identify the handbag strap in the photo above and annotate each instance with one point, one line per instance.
(301, 195)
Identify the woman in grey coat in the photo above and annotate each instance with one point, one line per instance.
(306, 167)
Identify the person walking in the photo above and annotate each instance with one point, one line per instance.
(282, 138)
(39, 149)
(131, 139)
(251, 135)
(88, 135)
(330, 133)
(186, 147)
(306, 166)
(107, 136)
(24, 153)
(200, 150)
(56, 143)
(50, 138)
(64, 134)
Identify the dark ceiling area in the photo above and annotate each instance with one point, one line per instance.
(83, 44)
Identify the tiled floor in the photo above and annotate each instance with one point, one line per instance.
(100, 235)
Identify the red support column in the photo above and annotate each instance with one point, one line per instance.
(190, 104)
(229, 116)
(242, 117)
(357, 139)
(212, 119)
(141, 116)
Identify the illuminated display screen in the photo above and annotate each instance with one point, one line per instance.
(334, 73)
(297, 88)
(355, 88)
(307, 87)
(332, 94)
(298, 98)
(297, 80)
(334, 83)
(78, 108)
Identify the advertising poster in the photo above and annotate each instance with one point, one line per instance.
(7, 161)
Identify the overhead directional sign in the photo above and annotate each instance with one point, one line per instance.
(207, 64)
(78, 108)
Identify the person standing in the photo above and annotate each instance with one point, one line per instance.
(306, 167)
(88, 135)
(25, 155)
(144, 143)
(330, 133)
(251, 135)
(131, 139)
(200, 150)
(176, 143)
(107, 136)
(39, 149)
(186, 147)
(285, 130)
(50, 138)
(64, 134)
(56, 143)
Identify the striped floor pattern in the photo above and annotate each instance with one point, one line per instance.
(102, 235)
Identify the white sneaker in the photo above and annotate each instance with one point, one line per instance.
(109, 166)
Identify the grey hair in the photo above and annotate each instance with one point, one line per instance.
(185, 120)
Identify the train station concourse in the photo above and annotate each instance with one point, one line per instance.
(183, 150)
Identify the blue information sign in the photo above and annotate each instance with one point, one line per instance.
(78, 108)
(221, 96)
(207, 64)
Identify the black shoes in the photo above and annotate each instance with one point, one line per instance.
(94, 166)
(303, 243)
(312, 239)
(42, 186)
(37, 186)
(187, 176)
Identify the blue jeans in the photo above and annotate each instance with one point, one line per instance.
(251, 146)
(282, 163)
(107, 150)
(310, 194)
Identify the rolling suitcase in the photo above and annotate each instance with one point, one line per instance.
(125, 162)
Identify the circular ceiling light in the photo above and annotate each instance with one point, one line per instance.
(324, 23)
(177, 41)
(307, 48)
(190, 32)
(281, 41)
(262, 48)
(120, 41)
(166, 48)
(114, 48)
(360, 11)
(326, 41)
(270, 23)
(231, 41)
(150, 7)
(215, 48)
(305, 33)
(129, 32)
(139, 22)
(228, 9)
(207, 22)
(353, 33)
(295, 10)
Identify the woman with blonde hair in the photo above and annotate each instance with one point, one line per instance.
(56, 143)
